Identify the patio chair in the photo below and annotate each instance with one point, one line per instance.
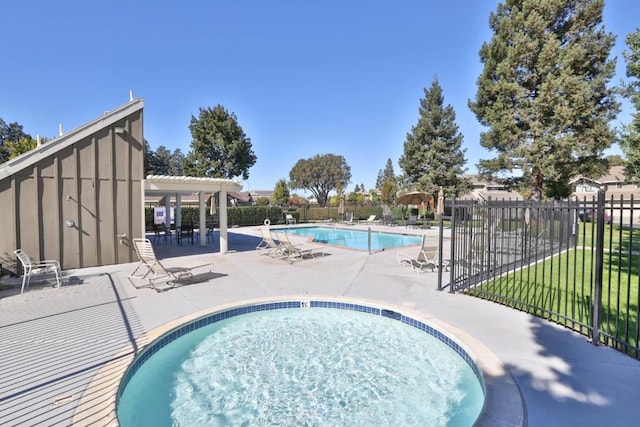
(291, 251)
(426, 259)
(210, 233)
(412, 221)
(290, 219)
(31, 267)
(268, 246)
(151, 270)
(185, 232)
(372, 219)
(349, 219)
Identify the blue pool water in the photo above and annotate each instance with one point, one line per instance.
(354, 239)
(303, 366)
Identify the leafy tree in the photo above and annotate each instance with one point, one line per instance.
(262, 201)
(615, 160)
(281, 193)
(389, 191)
(356, 188)
(433, 156)
(630, 136)
(543, 92)
(21, 146)
(296, 200)
(355, 198)
(320, 175)
(10, 133)
(219, 146)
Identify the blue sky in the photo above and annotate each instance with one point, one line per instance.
(303, 77)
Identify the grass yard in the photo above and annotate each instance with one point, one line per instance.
(615, 237)
(561, 289)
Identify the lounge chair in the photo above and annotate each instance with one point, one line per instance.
(412, 221)
(268, 245)
(426, 259)
(372, 219)
(291, 251)
(348, 220)
(290, 219)
(31, 267)
(151, 270)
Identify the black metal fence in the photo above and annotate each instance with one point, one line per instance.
(573, 262)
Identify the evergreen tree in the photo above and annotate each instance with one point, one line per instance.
(386, 183)
(630, 137)
(150, 161)
(433, 156)
(219, 146)
(543, 92)
(388, 173)
(176, 163)
(162, 161)
(379, 180)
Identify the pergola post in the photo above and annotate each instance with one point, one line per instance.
(202, 236)
(222, 202)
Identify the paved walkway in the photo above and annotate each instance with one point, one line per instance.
(53, 341)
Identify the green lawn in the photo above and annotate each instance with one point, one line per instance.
(561, 290)
(615, 237)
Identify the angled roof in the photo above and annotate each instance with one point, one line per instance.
(63, 141)
(615, 174)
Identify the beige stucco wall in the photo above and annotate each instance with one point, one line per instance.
(94, 181)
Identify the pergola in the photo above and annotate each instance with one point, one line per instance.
(177, 186)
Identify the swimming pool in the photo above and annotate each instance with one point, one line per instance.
(302, 363)
(354, 239)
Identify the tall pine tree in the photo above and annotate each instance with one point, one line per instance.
(433, 157)
(387, 183)
(543, 93)
(219, 146)
(630, 137)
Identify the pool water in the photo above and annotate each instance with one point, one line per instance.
(303, 367)
(354, 239)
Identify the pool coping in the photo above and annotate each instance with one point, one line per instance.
(503, 405)
(354, 227)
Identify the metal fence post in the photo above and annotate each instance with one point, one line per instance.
(440, 237)
(597, 286)
(452, 257)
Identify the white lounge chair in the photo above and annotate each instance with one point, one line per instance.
(291, 251)
(290, 219)
(426, 259)
(151, 270)
(372, 219)
(31, 267)
(268, 246)
(349, 219)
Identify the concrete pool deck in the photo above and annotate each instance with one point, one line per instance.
(53, 342)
